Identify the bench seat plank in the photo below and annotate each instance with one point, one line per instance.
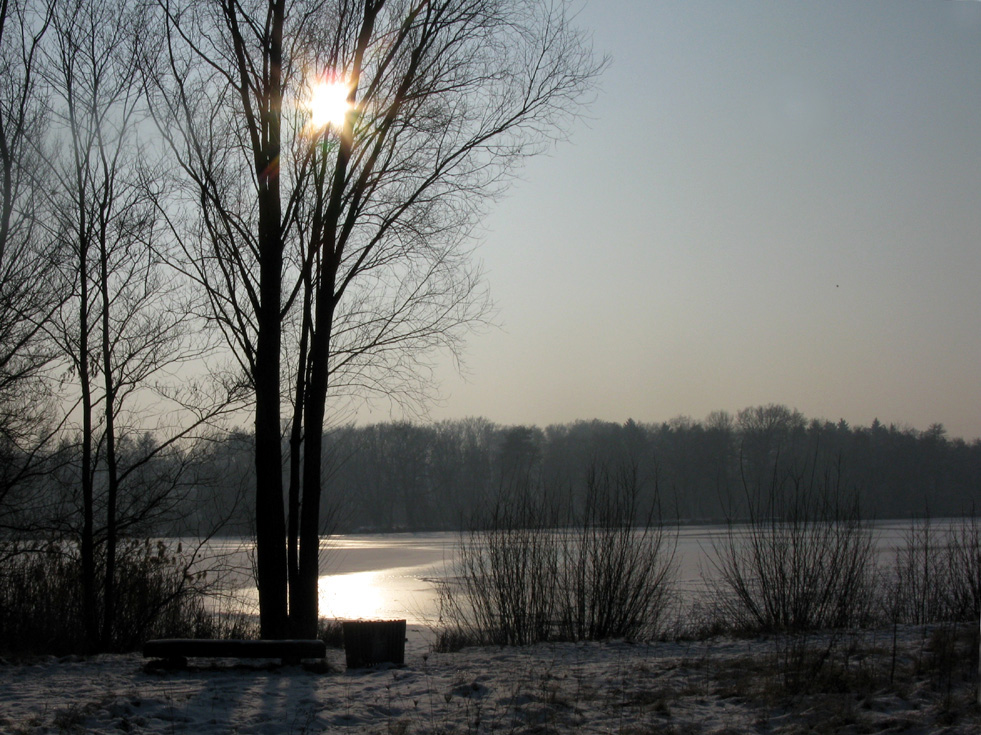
(174, 648)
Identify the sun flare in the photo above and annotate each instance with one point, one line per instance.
(329, 104)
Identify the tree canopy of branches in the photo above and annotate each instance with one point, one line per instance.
(29, 292)
(334, 255)
(93, 330)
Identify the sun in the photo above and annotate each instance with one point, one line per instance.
(328, 104)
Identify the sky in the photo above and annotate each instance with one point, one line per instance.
(768, 202)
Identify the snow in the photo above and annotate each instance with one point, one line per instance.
(714, 686)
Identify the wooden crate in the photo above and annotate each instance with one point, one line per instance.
(370, 642)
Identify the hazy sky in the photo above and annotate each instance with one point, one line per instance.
(772, 202)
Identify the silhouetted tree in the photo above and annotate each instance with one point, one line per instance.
(768, 434)
(125, 321)
(348, 240)
(30, 290)
(520, 456)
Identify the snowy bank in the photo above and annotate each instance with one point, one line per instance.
(718, 685)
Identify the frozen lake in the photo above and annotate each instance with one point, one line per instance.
(393, 576)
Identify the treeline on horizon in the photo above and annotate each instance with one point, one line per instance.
(402, 476)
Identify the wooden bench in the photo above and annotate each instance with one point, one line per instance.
(174, 652)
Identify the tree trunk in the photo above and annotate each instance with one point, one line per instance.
(304, 616)
(296, 460)
(272, 567)
(87, 541)
(270, 526)
(109, 592)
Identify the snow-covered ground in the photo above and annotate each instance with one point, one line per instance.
(719, 685)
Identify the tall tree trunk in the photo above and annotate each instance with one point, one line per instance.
(272, 567)
(270, 525)
(109, 592)
(296, 454)
(270, 529)
(307, 595)
(304, 615)
(87, 542)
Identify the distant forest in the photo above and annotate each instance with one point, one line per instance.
(413, 477)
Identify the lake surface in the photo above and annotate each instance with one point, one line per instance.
(362, 575)
(394, 576)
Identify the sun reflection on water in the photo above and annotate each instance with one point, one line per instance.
(352, 596)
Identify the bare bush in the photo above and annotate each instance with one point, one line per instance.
(804, 560)
(618, 562)
(506, 575)
(963, 556)
(937, 573)
(528, 574)
(918, 592)
(41, 598)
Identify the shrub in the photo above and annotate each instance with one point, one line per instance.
(804, 560)
(506, 574)
(528, 574)
(618, 563)
(937, 573)
(919, 591)
(40, 600)
(963, 561)
(331, 632)
(41, 608)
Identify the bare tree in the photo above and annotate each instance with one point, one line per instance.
(343, 245)
(29, 292)
(127, 324)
